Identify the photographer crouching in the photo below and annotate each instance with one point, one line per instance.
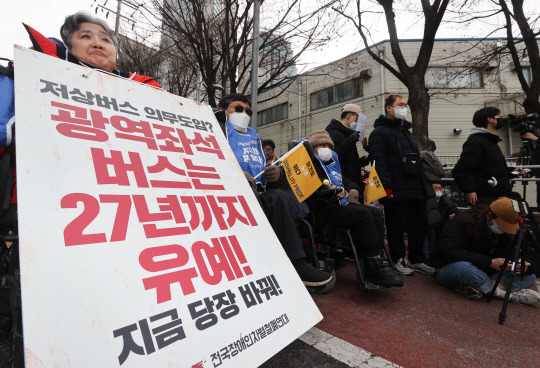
(472, 250)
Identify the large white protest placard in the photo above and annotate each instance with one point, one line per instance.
(141, 243)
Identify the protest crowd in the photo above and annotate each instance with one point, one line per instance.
(424, 230)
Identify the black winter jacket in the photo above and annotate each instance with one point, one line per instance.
(480, 160)
(345, 146)
(318, 199)
(385, 142)
(458, 244)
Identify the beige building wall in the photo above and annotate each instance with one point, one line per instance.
(450, 108)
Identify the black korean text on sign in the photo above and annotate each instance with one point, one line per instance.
(162, 335)
(204, 312)
(253, 292)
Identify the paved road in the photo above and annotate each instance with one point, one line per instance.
(419, 325)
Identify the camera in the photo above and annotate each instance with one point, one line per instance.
(519, 207)
(525, 124)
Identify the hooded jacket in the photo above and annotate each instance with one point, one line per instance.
(480, 161)
(345, 141)
(388, 142)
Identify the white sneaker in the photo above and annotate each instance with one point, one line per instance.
(402, 268)
(525, 296)
(421, 267)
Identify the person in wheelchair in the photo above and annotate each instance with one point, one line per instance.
(342, 209)
(233, 115)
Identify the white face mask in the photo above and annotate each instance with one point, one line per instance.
(400, 113)
(438, 193)
(240, 121)
(324, 154)
(495, 229)
(353, 125)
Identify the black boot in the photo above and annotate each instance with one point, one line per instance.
(309, 275)
(379, 272)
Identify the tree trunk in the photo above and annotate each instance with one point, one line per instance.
(419, 101)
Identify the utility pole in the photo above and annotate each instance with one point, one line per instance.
(117, 23)
(255, 62)
(130, 19)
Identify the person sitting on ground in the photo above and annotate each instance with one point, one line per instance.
(472, 249)
(365, 223)
(269, 148)
(233, 116)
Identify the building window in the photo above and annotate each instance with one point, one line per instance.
(336, 94)
(273, 114)
(453, 77)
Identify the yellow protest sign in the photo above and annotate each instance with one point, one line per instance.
(374, 189)
(300, 172)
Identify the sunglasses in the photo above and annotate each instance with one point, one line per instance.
(240, 108)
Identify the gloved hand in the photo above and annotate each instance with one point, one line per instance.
(250, 180)
(271, 174)
(354, 195)
(389, 193)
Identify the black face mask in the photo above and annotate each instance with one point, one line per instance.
(500, 123)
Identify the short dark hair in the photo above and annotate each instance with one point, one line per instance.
(226, 100)
(269, 142)
(73, 22)
(431, 145)
(480, 117)
(389, 101)
(345, 113)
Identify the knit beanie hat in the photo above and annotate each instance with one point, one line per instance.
(352, 108)
(320, 137)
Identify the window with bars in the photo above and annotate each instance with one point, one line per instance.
(273, 114)
(336, 94)
(453, 77)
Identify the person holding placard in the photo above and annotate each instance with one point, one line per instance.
(233, 116)
(89, 42)
(345, 134)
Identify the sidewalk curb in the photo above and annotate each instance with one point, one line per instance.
(343, 351)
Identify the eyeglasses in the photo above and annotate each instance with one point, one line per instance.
(240, 108)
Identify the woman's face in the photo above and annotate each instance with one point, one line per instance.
(92, 45)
